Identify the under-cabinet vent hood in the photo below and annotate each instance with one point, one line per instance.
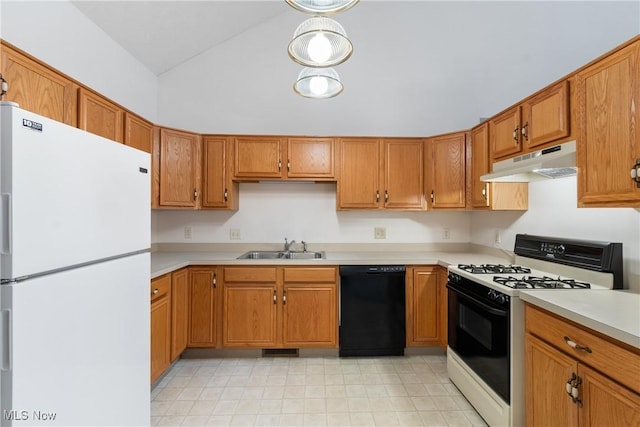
(553, 162)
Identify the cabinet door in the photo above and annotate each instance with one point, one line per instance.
(423, 316)
(480, 165)
(403, 174)
(359, 181)
(547, 372)
(249, 315)
(38, 88)
(505, 134)
(179, 170)
(609, 140)
(545, 116)
(99, 116)
(311, 158)
(179, 312)
(218, 190)
(202, 307)
(309, 315)
(448, 183)
(605, 402)
(138, 133)
(258, 157)
(160, 347)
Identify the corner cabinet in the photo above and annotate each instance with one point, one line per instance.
(381, 174)
(279, 307)
(446, 180)
(592, 381)
(608, 146)
(426, 302)
(160, 346)
(490, 195)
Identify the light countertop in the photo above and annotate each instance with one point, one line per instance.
(615, 313)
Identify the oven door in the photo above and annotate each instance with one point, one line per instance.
(479, 335)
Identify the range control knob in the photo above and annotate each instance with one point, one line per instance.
(492, 295)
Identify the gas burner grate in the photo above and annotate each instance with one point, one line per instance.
(544, 282)
(494, 269)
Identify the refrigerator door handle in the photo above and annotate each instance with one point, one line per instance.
(5, 212)
(5, 339)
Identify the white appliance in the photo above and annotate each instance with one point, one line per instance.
(75, 270)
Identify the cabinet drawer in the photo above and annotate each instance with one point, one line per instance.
(160, 286)
(615, 361)
(252, 275)
(311, 275)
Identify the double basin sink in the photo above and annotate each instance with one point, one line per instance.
(282, 255)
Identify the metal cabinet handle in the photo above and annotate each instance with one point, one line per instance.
(288, 165)
(279, 165)
(635, 173)
(275, 297)
(377, 196)
(4, 86)
(226, 195)
(525, 131)
(386, 196)
(569, 385)
(484, 192)
(433, 197)
(155, 291)
(284, 297)
(516, 133)
(214, 282)
(576, 346)
(195, 194)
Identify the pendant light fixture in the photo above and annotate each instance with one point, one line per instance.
(320, 42)
(322, 7)
(318, 83)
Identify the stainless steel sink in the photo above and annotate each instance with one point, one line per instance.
(281, 255)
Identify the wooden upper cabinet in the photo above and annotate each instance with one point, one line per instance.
(495, 195)
(505, 134)
(100, 116)
(258, 157)
(403, 174)
(218, 189)
(359, 176)
(138, 133)
(608, 144)
(447, 171)
(311, 158)
(179, 169)
(38, 88)
(545, 116)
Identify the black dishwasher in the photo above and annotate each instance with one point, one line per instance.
(372, 310)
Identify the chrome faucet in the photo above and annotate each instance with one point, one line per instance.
(304, 246)
(287, 244)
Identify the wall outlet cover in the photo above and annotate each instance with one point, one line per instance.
(380, 233)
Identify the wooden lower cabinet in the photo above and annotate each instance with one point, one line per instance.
(160, 325)
(426, 306)
(276, 307)
(552, 371)
(179, 312)
(203, 307)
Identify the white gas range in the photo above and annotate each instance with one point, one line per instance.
(485, 357)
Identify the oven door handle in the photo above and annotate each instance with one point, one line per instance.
(495, 311)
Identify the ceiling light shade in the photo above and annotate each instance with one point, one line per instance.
(322, 7)
(318, 83)
(320, 42)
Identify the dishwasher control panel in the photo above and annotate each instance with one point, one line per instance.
(387, 269)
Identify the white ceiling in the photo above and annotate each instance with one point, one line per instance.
(164, 34)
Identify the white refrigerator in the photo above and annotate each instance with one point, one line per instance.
(75, 239)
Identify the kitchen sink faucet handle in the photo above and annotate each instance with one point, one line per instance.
(304, 246)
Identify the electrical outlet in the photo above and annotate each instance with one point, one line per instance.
(234, 234)
(187, 232)
(446, 233)
(497, 239)
(380, 233)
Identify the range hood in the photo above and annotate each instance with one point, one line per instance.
(553, 162)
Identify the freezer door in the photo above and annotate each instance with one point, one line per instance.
(78, 351)
(68, 196)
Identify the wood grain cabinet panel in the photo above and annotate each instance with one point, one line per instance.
(447, 179)
(38, 88)
(603, 380)
(218, 189)
(359, 180)
(179, 312)
(100, 116)
(160, 322)
(545, 116)
(138, 133)
(249, 315)
(179, 169)
(311, 158)
(423, 306)
(203, 307)
(259, 157)
(505, 134)
(490, 195)
(608, 146)
(403, 174)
